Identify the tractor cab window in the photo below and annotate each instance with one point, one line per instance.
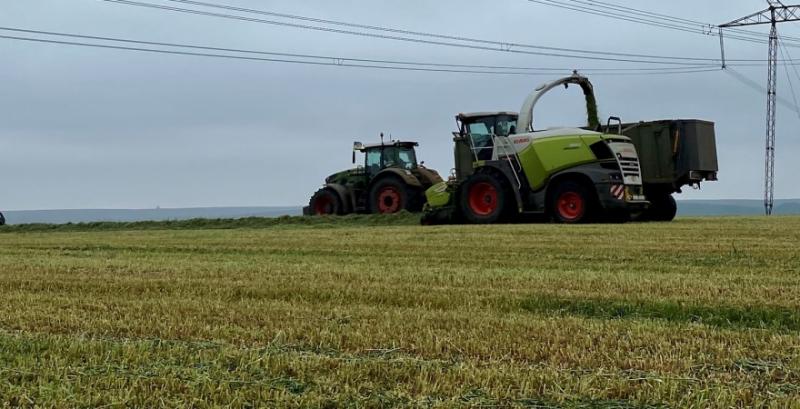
(399, 157)
(373, 165)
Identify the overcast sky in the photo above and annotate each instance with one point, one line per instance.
(95, 128)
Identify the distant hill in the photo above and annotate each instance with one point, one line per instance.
(685, 208)
(136, 215)
(735, 207)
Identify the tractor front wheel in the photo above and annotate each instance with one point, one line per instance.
(483, 199)
(325, 202)
(572, 203)
(389, 196)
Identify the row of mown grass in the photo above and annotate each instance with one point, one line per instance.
(697, 313)
(399, 219)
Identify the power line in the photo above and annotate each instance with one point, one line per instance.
(632, 19)
(496, 46)
(706, 29)
(424, 34)
(331, 61)
(784, 53)
(680, 20)
(338, 59)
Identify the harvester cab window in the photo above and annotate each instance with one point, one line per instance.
(505, 126)
(481, 132)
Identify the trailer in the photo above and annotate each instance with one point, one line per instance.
(673, 154)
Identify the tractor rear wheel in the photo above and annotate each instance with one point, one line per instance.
(325, 202)
(572, 203)
(391, 195)
(483, 199)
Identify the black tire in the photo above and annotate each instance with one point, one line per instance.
(663, 208)
(2, 220)
(391, 195)
(572, 203)
(325, 202)
(484, 199)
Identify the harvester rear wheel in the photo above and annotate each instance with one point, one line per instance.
(483, 199)
(325, 202)
(572, 203)
(391, 195)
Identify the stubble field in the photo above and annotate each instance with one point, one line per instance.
(696, 313)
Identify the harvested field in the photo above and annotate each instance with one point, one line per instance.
(371, 312)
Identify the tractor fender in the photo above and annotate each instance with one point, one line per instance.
(345, 194)
(502, 169)
(406, 176)
(428, 177)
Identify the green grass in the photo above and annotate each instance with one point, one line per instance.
(380, 312)
(775, 318)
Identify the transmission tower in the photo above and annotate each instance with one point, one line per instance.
(776, 13)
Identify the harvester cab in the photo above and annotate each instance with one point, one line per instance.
(505, 168)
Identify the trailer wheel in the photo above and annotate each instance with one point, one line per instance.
(483, 199)
(663, 208)
(572, 203)
(390, 195)
(325, 202)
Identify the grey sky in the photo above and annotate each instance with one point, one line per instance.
(92, 128)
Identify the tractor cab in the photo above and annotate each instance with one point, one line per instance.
(396, 154)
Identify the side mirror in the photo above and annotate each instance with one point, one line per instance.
(357, 146)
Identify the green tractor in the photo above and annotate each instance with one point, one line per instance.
(506, 169)
(390, 181)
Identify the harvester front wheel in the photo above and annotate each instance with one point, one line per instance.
(572, 203)
(389, 196)
(483, 199)
(325, 202)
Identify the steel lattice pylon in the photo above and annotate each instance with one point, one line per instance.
(772, 96)
(776, 13)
